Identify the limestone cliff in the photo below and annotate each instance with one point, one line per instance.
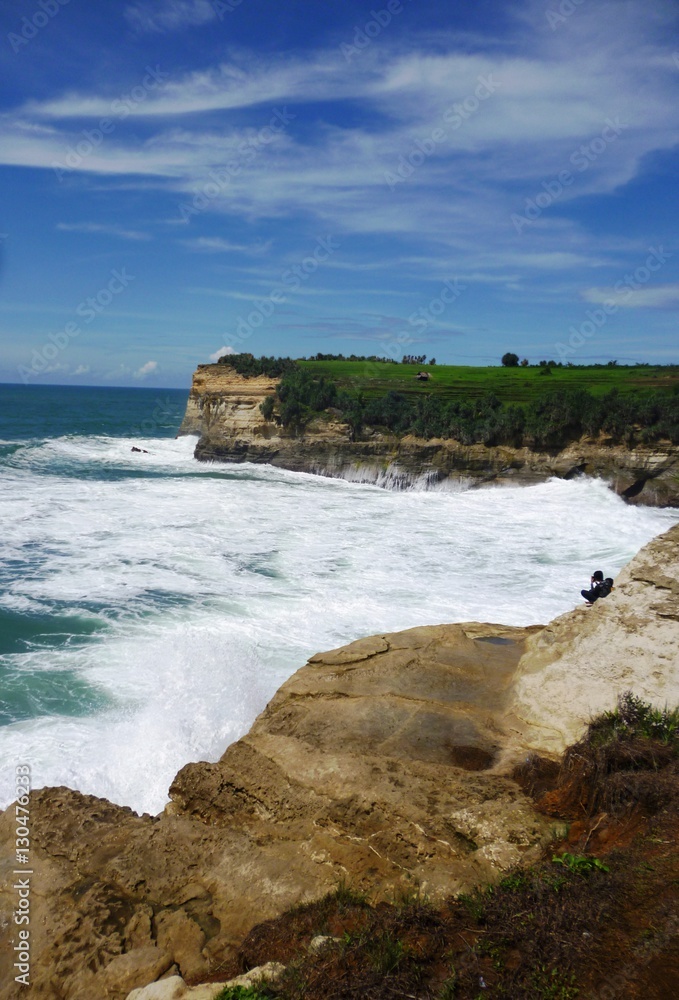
(386, 762)
(223, 408)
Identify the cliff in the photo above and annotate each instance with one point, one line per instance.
(387, 762)
(223, 408)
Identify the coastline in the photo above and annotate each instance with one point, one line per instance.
(389, 761)
(224, 410)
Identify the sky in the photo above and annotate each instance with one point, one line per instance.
(188, 178)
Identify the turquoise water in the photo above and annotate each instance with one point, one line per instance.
(53, 411)
(29, 417)
(150, 605)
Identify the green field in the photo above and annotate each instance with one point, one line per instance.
(511, 385)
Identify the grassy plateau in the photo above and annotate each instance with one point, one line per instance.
(510, 385)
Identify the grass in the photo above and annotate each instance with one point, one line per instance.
(244, 993)
(634, 718)
(628, 758)
(510, 385)
(543, 932)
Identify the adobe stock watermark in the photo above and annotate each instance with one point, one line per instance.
(32, 25)
(42, 359)
(224, 7)
(21, 916)
(291, 280)
(582, 159)
(420, 321)
(120, 109)
(564, 10)
(454, 117)
(165, 412)
(246, 152)
(367, 33)
(622, 290)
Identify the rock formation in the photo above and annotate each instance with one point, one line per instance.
(223, 408)
(386, 763)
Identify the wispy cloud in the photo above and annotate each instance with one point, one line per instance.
(623, 296)
(168, 15)
(552, 93)
(102, 229)
(216, 244)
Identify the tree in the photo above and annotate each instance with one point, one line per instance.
(524, 363)
(510, 360)
(267, 407)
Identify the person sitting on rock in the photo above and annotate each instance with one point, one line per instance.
(598, 587)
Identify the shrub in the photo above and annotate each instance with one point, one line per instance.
(267, 407)
(244, 993)
(249, 366)
(627, 760)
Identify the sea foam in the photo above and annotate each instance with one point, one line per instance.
(205, 586)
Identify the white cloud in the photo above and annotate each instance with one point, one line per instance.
(169, 15)
(105, 230)
(221, 352)
(148, 369)
(215, 244)
(550, 96)
(82, 370)
(626, 297)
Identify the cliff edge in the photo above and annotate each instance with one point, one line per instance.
(387, 763)
(224, 409)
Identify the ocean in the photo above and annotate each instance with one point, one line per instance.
(151, 605)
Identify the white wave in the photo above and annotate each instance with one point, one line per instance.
(216, 582)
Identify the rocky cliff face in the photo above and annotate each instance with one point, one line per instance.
(386, 762)
(224, 409)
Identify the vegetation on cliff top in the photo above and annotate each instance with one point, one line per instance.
(571, 926)
(556, 413)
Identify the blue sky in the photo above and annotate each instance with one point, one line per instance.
(183, 177)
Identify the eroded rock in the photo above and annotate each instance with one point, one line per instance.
(385, 763)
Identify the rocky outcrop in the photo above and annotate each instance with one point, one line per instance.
(387, 763)
(628, 641)
(223, 408)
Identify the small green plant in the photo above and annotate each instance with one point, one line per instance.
(634, 717)
(344, 895)
(449, 987)
(385, 953)
(579, 864)
(244, 993)
(516, 880)
(552, 984)
(473, 903)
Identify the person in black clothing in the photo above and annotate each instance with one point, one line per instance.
(596, 588)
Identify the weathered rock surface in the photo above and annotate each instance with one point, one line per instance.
(175, 988)
(385, 762)
(630, 640)
(223, 408)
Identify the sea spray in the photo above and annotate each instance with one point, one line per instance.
(181, 595)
